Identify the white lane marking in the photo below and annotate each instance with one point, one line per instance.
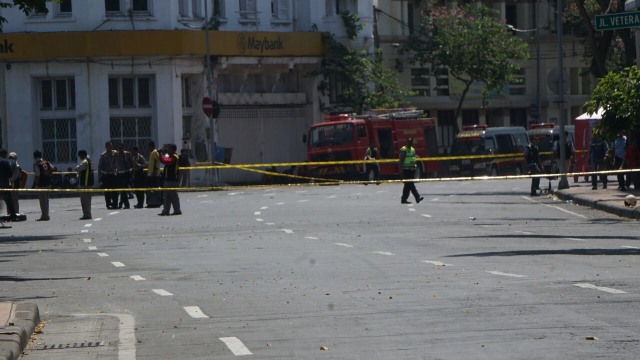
(574, 239)
(84, 231)
(304, 200)
(195, 312)
(302, 191)
(311, 238)
(93, 248)
(117, 264)
(264, 208)
(88, 225)
(97, 219)
(435, 199)
(87, 240)
(555, 207)
(280, 203)
(256, 213)
(236, 346)
(427, 215)
(201, 196)
(436, 263)
(235, 193)
(344, 245)
(137, 278)
(102, 254)
(259, 219)
(412, 209)
(270, 224)
(331, 197)
(288, 231)
(524, 232)
(599, 288)
(506, 274)
(114, 212)
(126, 334)
(630, 247)
(384, 253)
(162, 292)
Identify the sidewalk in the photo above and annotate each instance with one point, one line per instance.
(608, 200)
(17, 322)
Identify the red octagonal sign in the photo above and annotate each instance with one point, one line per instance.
(210, 107)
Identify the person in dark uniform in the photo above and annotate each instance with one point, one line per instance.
(171, 180)
(85, 181)
(42, 170)
(5, 183)
(107, 175)
(408, 165)
(532, 158)
(372, 154)
(139, 176)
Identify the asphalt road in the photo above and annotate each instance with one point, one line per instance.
(478, 270)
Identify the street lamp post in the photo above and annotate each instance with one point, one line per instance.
(213, 136)
(563, 183)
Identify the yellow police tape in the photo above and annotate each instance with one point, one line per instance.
(325, 182)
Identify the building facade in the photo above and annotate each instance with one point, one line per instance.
(131, 71)
(533, 99)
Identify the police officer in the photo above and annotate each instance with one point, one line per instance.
(107, 175)
(85, 181)
(42, 170)
(532, 158)
(372, 154)
(408, 165)
(139, 176)
(171, 180)
(5, 183)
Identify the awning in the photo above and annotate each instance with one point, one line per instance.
(591, 116)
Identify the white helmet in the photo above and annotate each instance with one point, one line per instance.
(630, 200)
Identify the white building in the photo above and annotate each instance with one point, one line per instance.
(90, 71)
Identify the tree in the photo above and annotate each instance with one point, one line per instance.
(356, 80)
(610, 50)
(27, 6)
(471, 44)
(618, 93)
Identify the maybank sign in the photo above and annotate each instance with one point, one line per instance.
(624, 20)
(158, 43)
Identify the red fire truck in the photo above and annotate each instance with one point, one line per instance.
(345, 137)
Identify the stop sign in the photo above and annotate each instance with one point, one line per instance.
(210, 107)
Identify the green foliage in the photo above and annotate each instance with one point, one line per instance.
(351, 23)
(360, 81)
(618, 93)
(472, 44)
(27, 6)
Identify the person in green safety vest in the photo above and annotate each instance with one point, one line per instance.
(408, 167)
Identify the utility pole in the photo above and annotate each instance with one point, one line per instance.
(213, 136)
(563, 183)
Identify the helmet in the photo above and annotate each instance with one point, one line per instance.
(630, 200)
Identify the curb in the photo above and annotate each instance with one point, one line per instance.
(602, 205)
(15, 337)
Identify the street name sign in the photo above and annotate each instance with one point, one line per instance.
(617, 21)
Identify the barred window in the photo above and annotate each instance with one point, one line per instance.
(280, 9)
(131, 131)
(57, 94)
(248, 9)
(59, 143)
(130, 92)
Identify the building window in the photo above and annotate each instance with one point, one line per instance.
(57, 94)
(191, 9)
(130, 92)
(62, 9)
(336, 7)
(248, 9)
(59, 143)
(186, 92)
(140, 6)
(113, 6)
(280, 9)
(130, 130)
(518, 85)
(442, 82)
(421, 81)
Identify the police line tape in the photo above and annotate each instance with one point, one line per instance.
(325, 182)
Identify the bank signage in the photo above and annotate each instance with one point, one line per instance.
(617, 21)
(6, 47)
(254, 43)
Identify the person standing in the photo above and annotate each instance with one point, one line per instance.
(532, 158)
(372, 154)
(85, 181)
(18, 180)
(123, 166)
(569, 151)
(632, 161)
(42, 170)
(139, 177)
(107, 175)
(5, 183)
(408, 165)
(171, 180)
(185, 178)
(619, 149)
(597, 153)
(153, 177)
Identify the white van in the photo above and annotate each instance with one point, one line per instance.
(483, 140)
